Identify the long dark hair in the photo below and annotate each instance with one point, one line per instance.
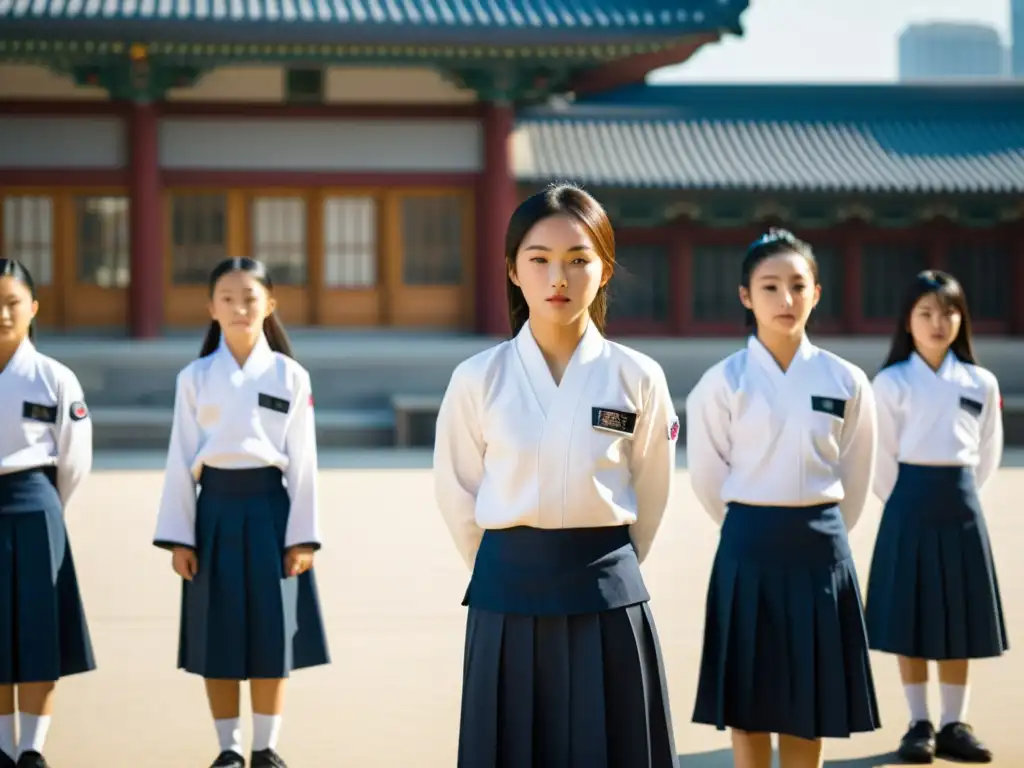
(277, 338)
(558, 200)
(17, 270)
(775, 243)
(951, 297)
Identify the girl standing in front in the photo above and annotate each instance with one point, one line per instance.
(243, 432)
(933, 592)
(780, 446)
(553, 464)
(45, 453)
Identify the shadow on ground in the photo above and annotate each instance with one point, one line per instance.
(722, 758)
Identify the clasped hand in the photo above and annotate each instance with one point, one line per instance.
(297, 560)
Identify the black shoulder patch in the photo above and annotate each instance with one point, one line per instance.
(972, 406)
(611, 420)
(830, 405)
(78, 410)
(37, 412)
(274, 403)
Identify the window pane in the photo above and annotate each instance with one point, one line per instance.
(716, 277)
(830, 276)
(199, 237)
(28, 235)
(982, 271)
(104, 251)
(640, 289)
(350, 242)
(886, 271)
(279, 237)
(432, 234)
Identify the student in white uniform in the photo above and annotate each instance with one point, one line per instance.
(553, 464)
(780, 447)
(932, 592)
(243, 434)
(45, 453)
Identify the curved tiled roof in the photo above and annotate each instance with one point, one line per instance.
(423, 21)
(811, 138)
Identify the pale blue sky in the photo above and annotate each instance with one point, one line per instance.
(825, 40)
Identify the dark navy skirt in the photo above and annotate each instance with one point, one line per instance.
(43, 632)
(241, 618)
(562, 662)
(785, 647)
(932, 590)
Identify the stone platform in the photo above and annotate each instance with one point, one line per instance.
(382, 388)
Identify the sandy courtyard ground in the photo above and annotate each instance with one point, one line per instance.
(391, 585)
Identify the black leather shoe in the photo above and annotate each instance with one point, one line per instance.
(229, 759)
(32, 760)
(267, 758)
(957, 740)
(918, 744)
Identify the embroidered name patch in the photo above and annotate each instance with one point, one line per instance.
(611, 420)
(972, 406)
(78, 411)
(830, 405)
(36, 412)
(274, 403)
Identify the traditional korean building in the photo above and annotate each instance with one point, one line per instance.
(372, 154)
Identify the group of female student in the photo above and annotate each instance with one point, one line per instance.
(563, 664)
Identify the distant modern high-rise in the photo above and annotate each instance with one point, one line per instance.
(943, 50)
(1017, 33)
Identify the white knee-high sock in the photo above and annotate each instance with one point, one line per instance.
(917, 700)
(7, 737)
(229, 734)
(33, 732)
(954, 703)
(265, 730)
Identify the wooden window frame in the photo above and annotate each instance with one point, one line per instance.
(658, 238)
(418, 306)
(186, 306)
(352, 306)
(67, 302)
(88, 304)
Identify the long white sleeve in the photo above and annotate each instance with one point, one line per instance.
(708, 445)
(300, 445)
(887, 459)
(459, 464)
(653, 464)
(176, 519)
(990, 444)
(858, 447)
(74, 441)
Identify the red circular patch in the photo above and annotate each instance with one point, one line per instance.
(673, 433)
(310, 401)
(79, 411)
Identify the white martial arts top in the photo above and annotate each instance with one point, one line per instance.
(231, 417)
(950, 417)
(756, 434)
(45, 420)
(513, 448)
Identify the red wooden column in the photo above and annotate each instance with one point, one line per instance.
(146, 290)
(495, 203)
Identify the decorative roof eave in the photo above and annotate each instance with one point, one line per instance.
(49, 51)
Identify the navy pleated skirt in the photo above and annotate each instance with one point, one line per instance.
(932, 590)
(785, 646)
(563, 668)
(43, 631)
(241, 618)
